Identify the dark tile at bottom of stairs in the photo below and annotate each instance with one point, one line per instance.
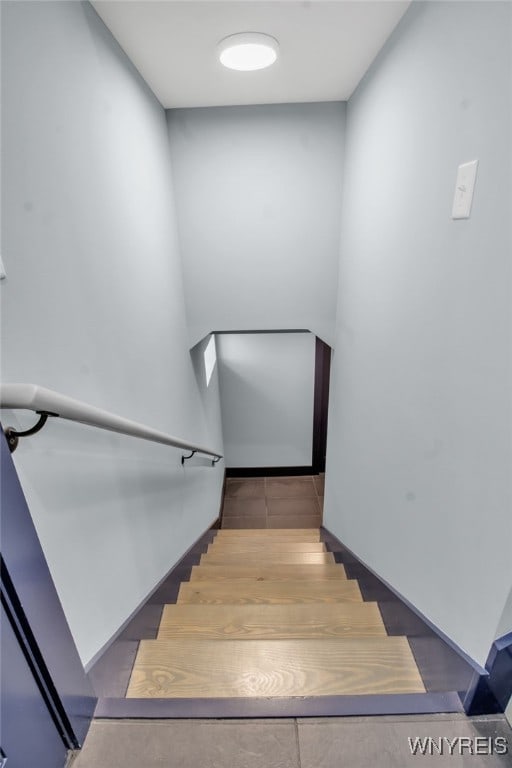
(235, 507)
(189, 744)
(245, 487)
(294, 521)
(253, 521)
(386, 742)
(110, 675)
(294, 508)
(295, 487)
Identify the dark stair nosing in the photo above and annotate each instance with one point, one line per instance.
(317, 706)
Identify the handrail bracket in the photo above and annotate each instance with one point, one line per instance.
(13, 436)
(185, 458)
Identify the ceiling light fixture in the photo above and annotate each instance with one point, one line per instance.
(247, 51)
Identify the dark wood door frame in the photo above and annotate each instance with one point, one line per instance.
(320, 416)
(321, 404)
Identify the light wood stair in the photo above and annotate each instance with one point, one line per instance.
(269, 613)
(271, 622)
(187, 668)
(240, 591)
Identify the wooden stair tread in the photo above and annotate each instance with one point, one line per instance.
(240, 591)
(187, 668)
(255, 622)
(266, 546)
(255, 558)
(304, 534)
(267, 572)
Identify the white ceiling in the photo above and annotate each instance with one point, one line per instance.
(325, 47)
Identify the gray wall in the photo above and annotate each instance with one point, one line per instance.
(267, 391)
(419, 450)
(93, 307)
(258, 192)
(505, 624)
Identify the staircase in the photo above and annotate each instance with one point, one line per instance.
(268, 613)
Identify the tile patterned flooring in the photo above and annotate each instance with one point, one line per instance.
(273, 502)
(356, 742)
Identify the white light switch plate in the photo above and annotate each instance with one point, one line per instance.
(464, 187)
(2, 275)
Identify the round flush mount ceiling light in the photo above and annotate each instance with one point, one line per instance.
(247, 51)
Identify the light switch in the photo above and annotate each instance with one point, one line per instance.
(2, 275)
(464, 187)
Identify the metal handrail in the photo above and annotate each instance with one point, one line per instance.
(47, 403)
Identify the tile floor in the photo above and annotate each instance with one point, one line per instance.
(273, 502)
(356, 742)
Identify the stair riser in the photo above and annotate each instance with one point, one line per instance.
(299, 534)
(259, 558)
(270, 547)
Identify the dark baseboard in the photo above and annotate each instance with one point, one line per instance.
(321, 403)
(480, 690)
(492, 692)
(499, 666)
(453, 683)
(265, 330)
(185, 561)
(269, 471)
